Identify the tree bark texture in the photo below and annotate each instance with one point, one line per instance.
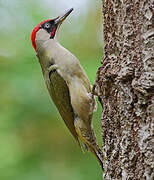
(125, 88)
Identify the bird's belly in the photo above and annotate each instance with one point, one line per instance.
(81, 100)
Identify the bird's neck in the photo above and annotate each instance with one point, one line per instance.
(45, 47)
(42, 40)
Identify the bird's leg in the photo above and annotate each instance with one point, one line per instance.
(94, 90)
(92, 96)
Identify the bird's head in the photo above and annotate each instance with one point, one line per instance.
(49, 27)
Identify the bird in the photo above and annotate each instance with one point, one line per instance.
(67, 83)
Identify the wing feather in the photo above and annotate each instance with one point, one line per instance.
(60, 95)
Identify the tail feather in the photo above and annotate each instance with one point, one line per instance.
(99, 157)
(87, 139)
(82, 146)
(96, 151)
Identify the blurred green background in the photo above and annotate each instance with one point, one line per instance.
(34, 142)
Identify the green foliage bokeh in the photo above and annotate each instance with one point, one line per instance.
(34, 142)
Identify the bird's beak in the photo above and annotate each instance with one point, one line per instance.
(61, 18)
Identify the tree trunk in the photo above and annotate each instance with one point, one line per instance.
(125, 88)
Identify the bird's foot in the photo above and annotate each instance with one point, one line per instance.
(93, 102)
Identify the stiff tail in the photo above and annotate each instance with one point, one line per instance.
(87, 139)
(96, 151)
(99, 156)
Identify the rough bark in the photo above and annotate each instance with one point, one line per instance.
(125, 88)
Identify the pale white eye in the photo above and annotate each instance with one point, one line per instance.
(47, 25)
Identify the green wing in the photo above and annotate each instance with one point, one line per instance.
(60, 95)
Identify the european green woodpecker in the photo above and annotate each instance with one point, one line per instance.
(67, 83)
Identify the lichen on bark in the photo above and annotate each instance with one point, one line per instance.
(125, 88)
